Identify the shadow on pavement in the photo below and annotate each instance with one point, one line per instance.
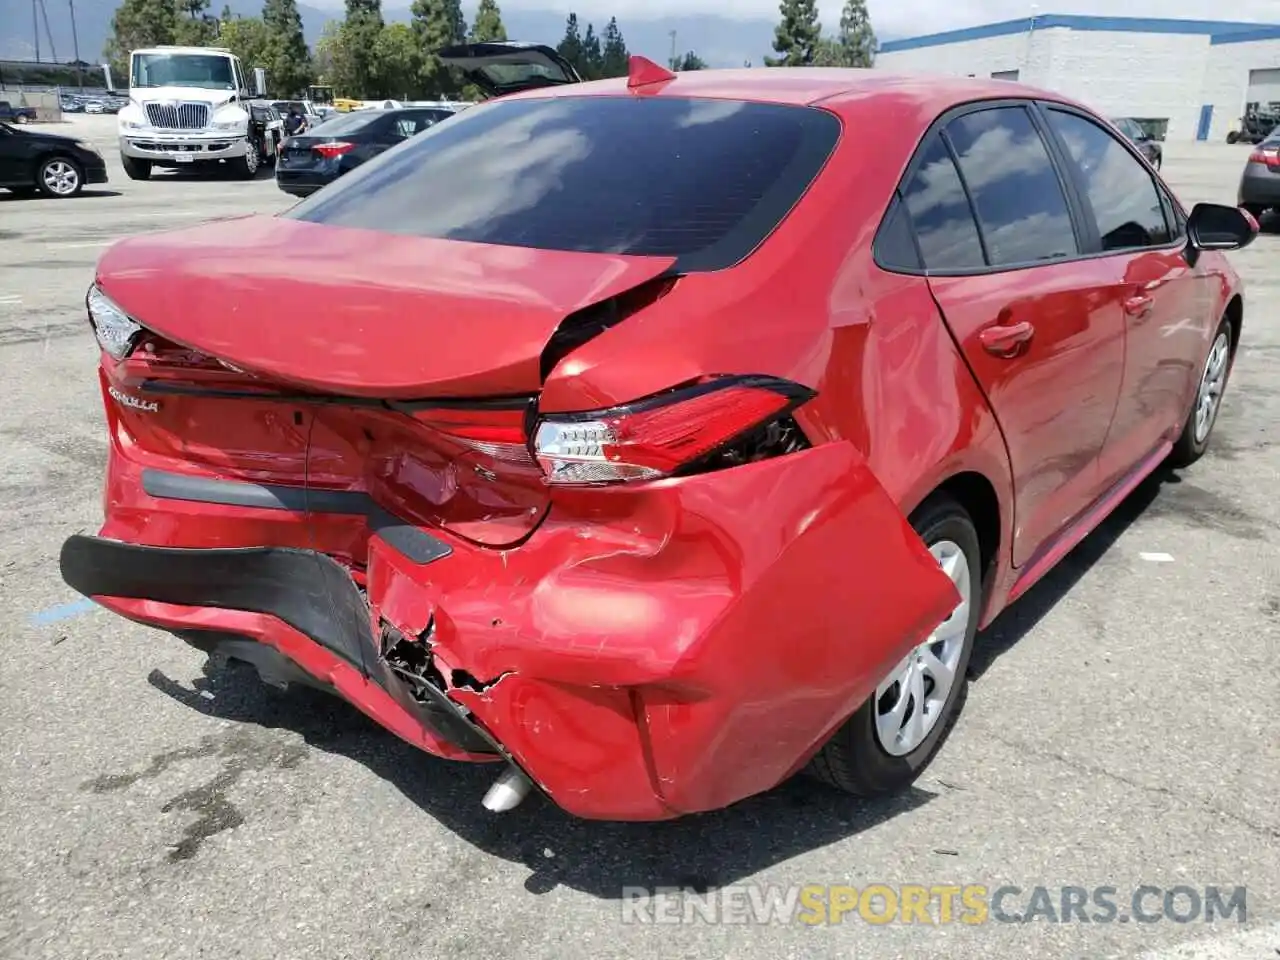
(1017, 620)
(701, 852)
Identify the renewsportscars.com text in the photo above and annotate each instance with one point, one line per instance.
(969, 904)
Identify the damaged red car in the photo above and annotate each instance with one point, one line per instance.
(658, 438)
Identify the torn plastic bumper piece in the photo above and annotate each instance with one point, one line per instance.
(309, 592)
(660, 648)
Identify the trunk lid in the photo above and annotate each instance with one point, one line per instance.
(398, 369)
(360, 313)
(505, 67)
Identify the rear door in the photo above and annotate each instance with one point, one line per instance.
(508, 67)
(999, 234)
(1167, 306)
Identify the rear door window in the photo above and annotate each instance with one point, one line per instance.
(940, 212)
(1018, 197)
(699, 179)
(1117, 185)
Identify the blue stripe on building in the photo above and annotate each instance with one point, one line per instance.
(1219, 31)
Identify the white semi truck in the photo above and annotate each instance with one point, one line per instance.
(189, 106)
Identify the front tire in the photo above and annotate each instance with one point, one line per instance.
(1198, 429)
(891, 738)
(246, 167)
(136, 168)
(59, 177)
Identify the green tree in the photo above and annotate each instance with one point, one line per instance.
(437, 24)
(287, 61)
(797, 35)
(138, 23)
(399, 62)
(570, 46)
(338, 62)
(688, 61)
(360, 32)
(857, 39)
(592, 55)
(195, 26)
(488, 25)
(248, 38)
(616, 56)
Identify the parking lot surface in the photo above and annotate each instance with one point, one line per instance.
(1122, 729)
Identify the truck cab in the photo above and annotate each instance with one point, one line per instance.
(189, 106)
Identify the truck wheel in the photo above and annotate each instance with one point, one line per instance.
(136, 169)
(246, 167)
(1233, 136)
(20, 118)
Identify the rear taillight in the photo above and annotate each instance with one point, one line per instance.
(673, 433)
(1270, 156)
(117, 332)
(335, 149)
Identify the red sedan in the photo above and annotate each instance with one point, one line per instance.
(657, 438)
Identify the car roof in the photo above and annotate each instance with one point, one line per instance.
(811, 85)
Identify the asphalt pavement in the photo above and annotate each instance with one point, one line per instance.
(1122, 730)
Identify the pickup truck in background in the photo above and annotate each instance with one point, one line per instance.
(11, 114)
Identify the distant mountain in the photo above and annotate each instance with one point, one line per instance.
(720, 41)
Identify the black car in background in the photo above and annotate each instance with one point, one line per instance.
(47, 163)
(340, 144)
(1149, 146)
(1260, 182)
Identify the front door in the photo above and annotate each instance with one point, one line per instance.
(1046, 349)
(1166, 306)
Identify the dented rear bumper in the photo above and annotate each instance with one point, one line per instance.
(650, 650)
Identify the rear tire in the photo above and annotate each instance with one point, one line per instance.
(861, 758)
(136, 168)
(1198, 429)
(1233, 136)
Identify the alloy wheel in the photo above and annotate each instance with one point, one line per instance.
(60, 178)
(911, 700)
(1212, 383)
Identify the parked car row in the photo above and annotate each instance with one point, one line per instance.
(92, 103)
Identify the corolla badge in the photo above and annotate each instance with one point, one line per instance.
(146, 406)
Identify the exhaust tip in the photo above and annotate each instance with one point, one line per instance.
(508, 791)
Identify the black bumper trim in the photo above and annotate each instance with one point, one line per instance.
(418, 546)
(307, 590)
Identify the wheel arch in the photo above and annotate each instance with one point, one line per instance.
(1234, 314)
(992, 518)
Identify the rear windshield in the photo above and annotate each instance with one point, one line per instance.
(349, 122)
(701, 180)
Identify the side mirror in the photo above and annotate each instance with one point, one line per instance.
(259, 82)
(1215, 226)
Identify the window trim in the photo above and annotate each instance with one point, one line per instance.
(1083, 220)
(1163, 195)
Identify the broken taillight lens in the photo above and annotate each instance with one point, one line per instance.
(663, 435)
(116, 331)
(497, 432)
(335, 149)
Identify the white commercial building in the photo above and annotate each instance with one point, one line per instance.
(1183, 79)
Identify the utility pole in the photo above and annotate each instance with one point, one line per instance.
(75, 44)
(35, 26)
(673, 50)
